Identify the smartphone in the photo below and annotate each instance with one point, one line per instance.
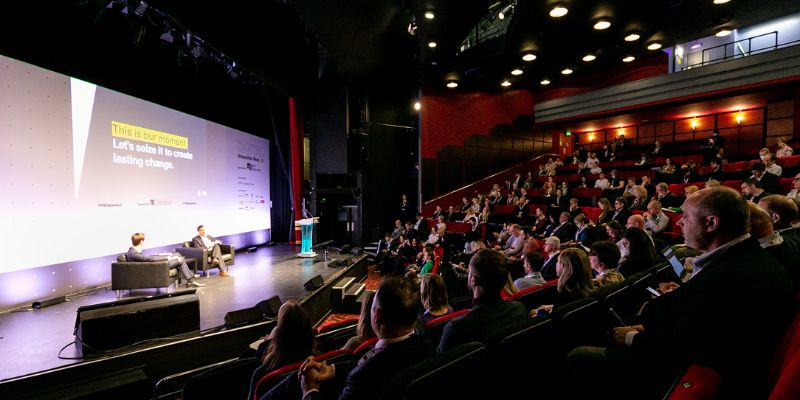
(653, 291)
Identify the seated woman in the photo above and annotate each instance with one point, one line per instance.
(784, 150)
(433, 238)
(433, 295)
(574, 279)
(604, 258)
(292, 340)
(637, 251)
(614, 231)
(668, 167)
(606, 211)
(364, 330)
(639, 199)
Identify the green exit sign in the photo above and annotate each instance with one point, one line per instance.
(568, 133)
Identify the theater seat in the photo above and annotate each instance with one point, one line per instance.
(535, 296)
(435, 327)
(266, 382)
(234, 374)
(201, 255)
(128, 275)
(698, 383)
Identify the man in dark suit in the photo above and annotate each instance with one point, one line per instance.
(621, 212)
(552, 246)
(204, 241)
(767, 180)
(665, 197)
(421, 226)
(752, 190)
(783, 210)
(700, 322)
(175, 260)
(490, 314)
(716, 171)
(393, 317)
(565, 231)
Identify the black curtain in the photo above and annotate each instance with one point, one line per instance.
(278, 122)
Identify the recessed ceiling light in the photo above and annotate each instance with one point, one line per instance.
(516, 71)
(432, 44)
(589, 57)
(628, 59)
(721, 1)
(529, 57)
(417, 106)
(632, 37)
(566, 71)
(723, 32)
(654, 46)
(430, 15)
(558, 11)
(452, 84)
(544, 82)
(602, 24)
(505, 83)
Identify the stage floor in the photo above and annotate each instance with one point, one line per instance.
(30, 340)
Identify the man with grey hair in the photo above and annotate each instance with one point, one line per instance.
(655, 221)
(700, 322)
(552, 246)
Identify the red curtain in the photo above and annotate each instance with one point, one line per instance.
(296, 135)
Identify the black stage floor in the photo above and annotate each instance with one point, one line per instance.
(30, 340)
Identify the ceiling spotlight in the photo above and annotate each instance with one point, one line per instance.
(654, 46)
(558, 11)
(430, 15)
(452, 84)
(529, 57)
(723, 32)
(544, 82)
(632, 37)
(417, 106)
(505, 83)
(516, 71)
(602, 24)
(505, 11)
(566, 71)
(628, 59)
(589, 57)
(432, 45)
(721, 1)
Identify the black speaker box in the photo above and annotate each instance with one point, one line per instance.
(270, 307)
(345, 249)
(357, 251)
(242, 317)
(315, 283)
(110, 326)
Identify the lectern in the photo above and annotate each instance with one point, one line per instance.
(306, 230)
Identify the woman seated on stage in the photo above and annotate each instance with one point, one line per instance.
(292, 340)
(364, 330)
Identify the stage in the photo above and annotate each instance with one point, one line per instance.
(30, 340)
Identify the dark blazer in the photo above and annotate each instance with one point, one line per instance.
(621, 216)
(670, 200)
(136, 255)
(702, 322)
(197, 241)
(565, 232)
(484, 320)
(757, 198)
(718, 175)
(549, 269)
(423, 228)
(584, 236)
(436, 214)
(539, 225)
(769, 182)
(788, 257)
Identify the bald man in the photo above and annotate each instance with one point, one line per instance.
(782, 211)
(762, 229)
(635, 221)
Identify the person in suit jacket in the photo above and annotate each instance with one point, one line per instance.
(700, 322)
(134, 254)
(583, 232)
(393, 318)
(565, 231)
(437, 212)
(490, 314)
(421, 225)
(716, 171)
(620, 213)
(204, 241)
(552, 246)
(767, 180)
(753, 191)
(667, 199)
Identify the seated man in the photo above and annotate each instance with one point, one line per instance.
(490, 314)
(175, 260)
(204, 241)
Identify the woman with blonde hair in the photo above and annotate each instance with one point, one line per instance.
(574, 279)
(364, 330)
(433, 295)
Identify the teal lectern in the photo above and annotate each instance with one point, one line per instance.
(306, 231)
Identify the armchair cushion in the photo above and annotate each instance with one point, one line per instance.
(138, 275)
(202, 256)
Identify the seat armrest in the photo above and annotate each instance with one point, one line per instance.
(199, 254)
(228, 249)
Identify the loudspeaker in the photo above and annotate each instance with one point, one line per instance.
(315, 283)
(357, 251)
(345, 249)
(109, 326)
(270, 307)
(242, 317)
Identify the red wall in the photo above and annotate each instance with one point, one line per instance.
(449, 116)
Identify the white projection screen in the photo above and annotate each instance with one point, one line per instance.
(84, 167)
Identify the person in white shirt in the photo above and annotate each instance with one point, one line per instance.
(784, 150)
(655, 221)
(772, 166)
(602, 182)
(212, 244)
(795, 192)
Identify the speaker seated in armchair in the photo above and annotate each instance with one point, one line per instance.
(209, 252)
(127, 275)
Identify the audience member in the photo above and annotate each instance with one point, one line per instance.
(639, 202)
(583, 233)
(364, 330)
(655, 221)
(574, 279)
(638, 252)
(784, 150)
(602, 182)
(783, 211)
(712, 183)
(668, 167)
(795, 192)
(701, 321)
(604, 257)
(753, 191)
(768, 181)
(565, 231)
(771, 166)
(552, 247)
(620, 214)
(606, 211)
(532, 262)
(292, 339)
(614, 231)
(490, 314)
(716, 171)
(433, 294)
(635, 221)
(394, 314)
(666, 197)
(761, 228)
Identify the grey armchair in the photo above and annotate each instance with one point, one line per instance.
(127, 275)
(202, 257)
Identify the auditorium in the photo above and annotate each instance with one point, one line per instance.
(400, 199)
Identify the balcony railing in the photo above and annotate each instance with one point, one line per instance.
(729, 51)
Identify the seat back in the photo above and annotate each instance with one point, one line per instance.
(262, 379)
(581, 322)
(456, 373)
(364, 347)
(535, 296)
(235, 375)
(435, 327)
